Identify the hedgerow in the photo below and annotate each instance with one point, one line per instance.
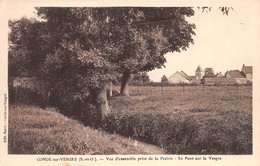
(185, 135)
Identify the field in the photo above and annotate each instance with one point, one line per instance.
(216, 120)
(177, 120)
(166, 99)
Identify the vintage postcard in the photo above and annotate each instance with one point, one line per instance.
(129, 83)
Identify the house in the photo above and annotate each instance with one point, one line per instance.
(234, 74)
(219, 75)
(237, 75)
(231, 77)
(185, 75)
(180, 77)
(248, 72)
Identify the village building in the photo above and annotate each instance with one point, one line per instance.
(219, 75)
(237, 75)
(248, 72)
(219, 81)
(182, 77)
(232, 77)
(199, 73)
(185, 75)
(179, 77)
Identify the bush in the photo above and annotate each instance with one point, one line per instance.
(174, 136)
(185, 135)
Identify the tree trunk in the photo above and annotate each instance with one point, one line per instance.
(124, 91)
(99, 99)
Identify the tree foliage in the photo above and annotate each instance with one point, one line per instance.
(164, 79)
(81, 56)
(80, 50)
(208, 72)
(27, 46)
(149, 33)
(140, 78)
(138, 37)
(224, 9)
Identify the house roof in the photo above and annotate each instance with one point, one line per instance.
(174, 74)
(185, 75)
(235, 74)
(179, 77)
(219, 75)
(199, 69)
(193, 77)
(247, 69)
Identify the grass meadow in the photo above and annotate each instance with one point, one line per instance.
(193, 120)
(216, 120)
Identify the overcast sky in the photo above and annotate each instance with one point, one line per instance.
(221, 42)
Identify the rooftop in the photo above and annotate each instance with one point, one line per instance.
(199, 69)
(235, 74)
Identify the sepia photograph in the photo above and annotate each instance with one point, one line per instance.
(130, 80)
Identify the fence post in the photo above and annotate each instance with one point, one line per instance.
(182, 87)
(111, 89)
(162, 89)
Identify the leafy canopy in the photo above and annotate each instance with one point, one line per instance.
(81, 48)
(164, 79)
(27, 46)
(209, 72)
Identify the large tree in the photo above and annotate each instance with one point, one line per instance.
(80, 61)
(128, 40)
(82, 49)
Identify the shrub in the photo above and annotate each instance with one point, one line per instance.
(185, 135)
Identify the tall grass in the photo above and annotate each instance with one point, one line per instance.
(190, 122)
(45, 131)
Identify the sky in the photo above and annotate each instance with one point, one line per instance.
(221, 42)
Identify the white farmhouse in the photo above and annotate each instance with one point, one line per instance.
(180, 77)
